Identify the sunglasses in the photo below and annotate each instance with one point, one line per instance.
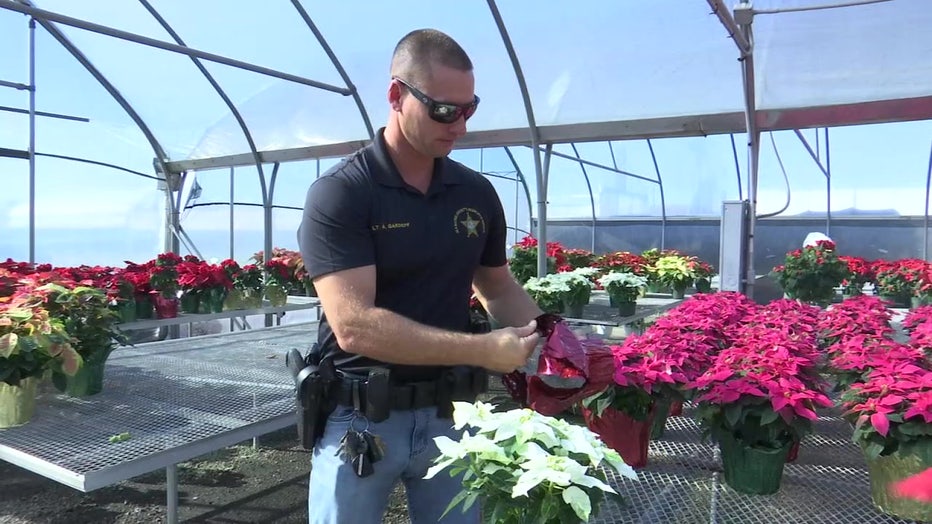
(442, 112)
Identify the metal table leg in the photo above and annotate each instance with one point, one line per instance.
(171, 491)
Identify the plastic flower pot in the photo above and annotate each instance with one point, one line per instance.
(89, 380)
(144, 307)
(703, 285)
(626, 309)
(749, 469)
(885, 470)
(126, 308)
(165, 307)
(190, 302)
(212, 301)
(629, 437)
(678, 292)
(17, 403)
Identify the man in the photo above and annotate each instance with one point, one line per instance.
(396, 237)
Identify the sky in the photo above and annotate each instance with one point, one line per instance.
(584, 61)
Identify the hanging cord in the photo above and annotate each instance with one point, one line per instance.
(785, 180)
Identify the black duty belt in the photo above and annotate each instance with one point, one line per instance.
(414, 395)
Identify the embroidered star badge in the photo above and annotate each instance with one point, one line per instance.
(471, 225)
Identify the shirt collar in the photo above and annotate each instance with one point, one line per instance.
(446, 171)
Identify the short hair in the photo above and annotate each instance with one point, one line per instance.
(421, 49)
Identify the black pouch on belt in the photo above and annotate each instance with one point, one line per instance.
(378, 395)
(459, 383)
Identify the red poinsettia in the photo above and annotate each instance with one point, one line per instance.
(623, 261)
(899, 277)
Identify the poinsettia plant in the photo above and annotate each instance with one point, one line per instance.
(31, 340)
(860, 273)
(858, 316)
(891, 409)
(764, 388)
(523, 262)
(527, 467)
(623, 286)
(622, 261)
(899, 278)
(852, 358)
(812, 273)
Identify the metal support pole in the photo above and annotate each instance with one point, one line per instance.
(828, 187)
(268, 199)
(753, 133)
(32, 140)
(925, 230)
(542, 179)
(171, 494)
(232, 201)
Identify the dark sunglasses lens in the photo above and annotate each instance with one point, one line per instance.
(446, 113)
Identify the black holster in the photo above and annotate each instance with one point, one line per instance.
(314, 399)
(460, 384)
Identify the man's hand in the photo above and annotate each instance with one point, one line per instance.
(511, 347)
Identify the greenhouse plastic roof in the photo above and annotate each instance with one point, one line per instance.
(594, 70)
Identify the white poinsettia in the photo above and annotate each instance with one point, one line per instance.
(522, 462)
(623, 279)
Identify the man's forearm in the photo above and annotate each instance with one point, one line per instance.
(513, 307)
(386, 336)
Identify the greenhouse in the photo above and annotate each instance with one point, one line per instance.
(147, 145)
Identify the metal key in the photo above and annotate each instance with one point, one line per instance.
(362, 466)
(349, 445)
(376, 448)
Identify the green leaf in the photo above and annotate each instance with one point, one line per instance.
(456, 500)
(733, 414)
(579, 501)
(768, 416)
(470, 500)
(873, 449)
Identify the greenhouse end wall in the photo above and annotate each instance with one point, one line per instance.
(871, 238)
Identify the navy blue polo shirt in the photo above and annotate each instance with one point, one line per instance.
(425, 247)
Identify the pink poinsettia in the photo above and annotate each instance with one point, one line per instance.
(860, 315)
(892, 406)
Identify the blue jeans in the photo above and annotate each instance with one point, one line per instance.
(338, 496)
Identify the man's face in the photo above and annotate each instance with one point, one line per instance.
(420, 110)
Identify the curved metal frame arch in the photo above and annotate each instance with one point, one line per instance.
(663, 198)
(527, 190)
(160, 157)
(266, 194)
(336, 63)
(535, 139)
(582, 167)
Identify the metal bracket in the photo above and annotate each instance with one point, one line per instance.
(744, 14)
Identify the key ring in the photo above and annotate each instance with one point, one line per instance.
(357, 410)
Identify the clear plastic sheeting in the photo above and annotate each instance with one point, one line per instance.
(843, 55)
